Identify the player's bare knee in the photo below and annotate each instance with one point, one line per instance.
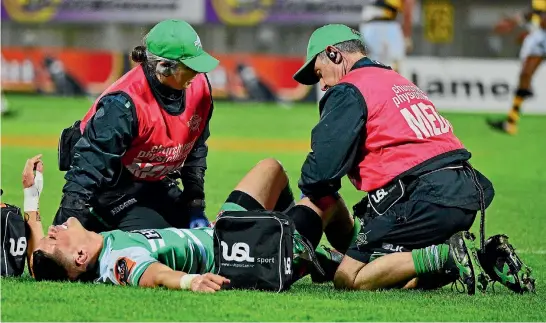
(344, 280)
(362, 283)
(272, 165)
(347, 273)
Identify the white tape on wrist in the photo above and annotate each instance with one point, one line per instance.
(32, 194)
(39, 181)
(185, 281)
(32, 199)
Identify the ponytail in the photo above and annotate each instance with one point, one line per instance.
(138, 55)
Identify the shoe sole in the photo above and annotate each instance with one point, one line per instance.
(480, 277)
(493, 126)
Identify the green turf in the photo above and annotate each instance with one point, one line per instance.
(514, 164)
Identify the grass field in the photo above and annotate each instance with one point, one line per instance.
(241, 136)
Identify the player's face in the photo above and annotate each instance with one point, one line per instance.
(183, 76)
(64, 238)
(328, 73)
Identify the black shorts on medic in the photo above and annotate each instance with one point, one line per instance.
(434, 207)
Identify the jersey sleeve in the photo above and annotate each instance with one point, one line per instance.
(125, 266)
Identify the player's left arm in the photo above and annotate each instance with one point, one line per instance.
(157, 275)
(407, 23)
(32, 189)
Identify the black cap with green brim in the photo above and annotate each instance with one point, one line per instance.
(321, 38)
(177, 40)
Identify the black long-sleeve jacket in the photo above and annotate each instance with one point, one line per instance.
(108, 134)
(339, 134)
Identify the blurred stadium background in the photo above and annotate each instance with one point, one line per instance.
(79, 47)
(59, 55)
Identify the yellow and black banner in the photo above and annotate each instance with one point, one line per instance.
(439, 21)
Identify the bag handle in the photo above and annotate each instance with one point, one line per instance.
(306, 244)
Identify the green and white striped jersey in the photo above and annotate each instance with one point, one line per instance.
(126, 255)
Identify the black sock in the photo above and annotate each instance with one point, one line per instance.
(286, 199)
(307, 222)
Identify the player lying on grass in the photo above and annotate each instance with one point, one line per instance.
(182, 258)
(174, 258)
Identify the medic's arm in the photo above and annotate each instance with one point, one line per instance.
(335, 141)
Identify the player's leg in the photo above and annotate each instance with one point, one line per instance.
(396, 46)
(371, 33)
(310, 221)
(340, 227)
(265, 186)
(532, 54)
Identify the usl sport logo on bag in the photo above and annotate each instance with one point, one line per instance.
(239, 252)
(21, 246)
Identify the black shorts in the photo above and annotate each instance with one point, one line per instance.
(240, 201)
(433, 209)
(406, 226)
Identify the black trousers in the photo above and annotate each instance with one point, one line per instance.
(153, 205)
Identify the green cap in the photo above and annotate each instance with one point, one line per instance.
(177, 40)
(321, 38)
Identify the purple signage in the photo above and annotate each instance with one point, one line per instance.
(124, 11)
(253, 12)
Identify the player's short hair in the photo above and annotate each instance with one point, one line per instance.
(47, 267)
(349, 46)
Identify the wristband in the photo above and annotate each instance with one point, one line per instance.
(185, 281)
(32, 199)
(32, 194)
(39, 181)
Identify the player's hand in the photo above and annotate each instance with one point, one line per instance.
(33, 183)
(29, 178)
(408, 43)
(208, 283)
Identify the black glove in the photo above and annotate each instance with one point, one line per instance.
(74, 206)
